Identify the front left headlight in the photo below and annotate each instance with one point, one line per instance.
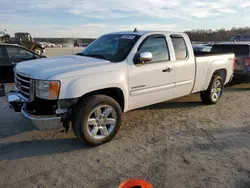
(47, 89)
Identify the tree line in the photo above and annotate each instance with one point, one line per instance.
(195, 35)
(216, 35)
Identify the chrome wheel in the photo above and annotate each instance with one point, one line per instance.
(216, 90)
(101, 122)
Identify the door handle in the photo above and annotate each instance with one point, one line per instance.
(13, 63)
(167, 70)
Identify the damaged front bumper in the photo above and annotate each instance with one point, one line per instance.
(41, 122)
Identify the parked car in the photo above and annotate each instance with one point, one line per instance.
(242, 56)
(202, 47)
(10, 55)
(93, 88)
(241, 38)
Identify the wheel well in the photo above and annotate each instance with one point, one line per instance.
(115, 93)
(222, 73)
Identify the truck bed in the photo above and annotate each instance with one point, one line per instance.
(207, 63)
(202, 54)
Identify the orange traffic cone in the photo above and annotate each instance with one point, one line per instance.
(135, 183)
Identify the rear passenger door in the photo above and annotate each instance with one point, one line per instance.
(184, 74)
(6, 68)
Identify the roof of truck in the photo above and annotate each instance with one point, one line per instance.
(143, 32)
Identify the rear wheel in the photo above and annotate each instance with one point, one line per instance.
(214, 91)
(97, 120)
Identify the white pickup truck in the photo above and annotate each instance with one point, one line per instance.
(116, 73)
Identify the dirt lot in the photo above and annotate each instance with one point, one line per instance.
(180, 143)
(52, 52)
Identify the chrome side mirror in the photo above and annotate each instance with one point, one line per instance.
(146, 56)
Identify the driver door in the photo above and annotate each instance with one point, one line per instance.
(153, 81)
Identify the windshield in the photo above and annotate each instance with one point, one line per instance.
(114, 47)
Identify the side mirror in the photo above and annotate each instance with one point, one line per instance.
(145, 57)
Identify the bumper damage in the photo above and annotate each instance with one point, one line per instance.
(41, 122)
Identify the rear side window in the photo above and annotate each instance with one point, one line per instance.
(158, 47)
(180, 47)
(18, 53)
(236, 49)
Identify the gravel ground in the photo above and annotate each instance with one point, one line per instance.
(52, 52)
(179, 143)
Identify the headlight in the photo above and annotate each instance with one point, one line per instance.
(47, 89)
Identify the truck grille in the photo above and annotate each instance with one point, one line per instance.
(25, 86)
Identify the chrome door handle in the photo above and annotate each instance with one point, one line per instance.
(13, 63)
(167, 70)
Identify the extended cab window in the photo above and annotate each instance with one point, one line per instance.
(158, 47)
(14, 52)
(180, 47)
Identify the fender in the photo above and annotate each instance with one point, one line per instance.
(79, 86)
(214, 66)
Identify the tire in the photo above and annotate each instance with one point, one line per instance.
(38, 51)
(89, 123)
(208, 97)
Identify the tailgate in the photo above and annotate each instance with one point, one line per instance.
(240, 63)
(241, 52)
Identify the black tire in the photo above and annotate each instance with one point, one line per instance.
(83, 111)
(206, 96)
(38, 51)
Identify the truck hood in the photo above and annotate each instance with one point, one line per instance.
(47, 67)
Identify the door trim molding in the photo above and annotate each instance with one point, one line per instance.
(151, 90)
(187, 82)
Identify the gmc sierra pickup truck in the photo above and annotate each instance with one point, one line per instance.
(116, 73)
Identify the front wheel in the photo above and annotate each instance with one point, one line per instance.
(38, 51)
(97, 119)
(214, 91)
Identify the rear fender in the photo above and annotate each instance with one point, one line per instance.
(214, 66)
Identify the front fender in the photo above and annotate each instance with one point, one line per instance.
(79, 86)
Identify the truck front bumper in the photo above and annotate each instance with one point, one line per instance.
(41, 122)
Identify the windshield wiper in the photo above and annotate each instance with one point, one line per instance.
(81, 54)
(93, 55)
(97, 56)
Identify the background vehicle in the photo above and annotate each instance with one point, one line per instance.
(76, 43)
(242, 55)
(25, 39)
(10, 55)
(241, 37)
(201, 47)
(116, 73)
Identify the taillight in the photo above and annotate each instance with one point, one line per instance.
(247, 61)
(234, 62)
